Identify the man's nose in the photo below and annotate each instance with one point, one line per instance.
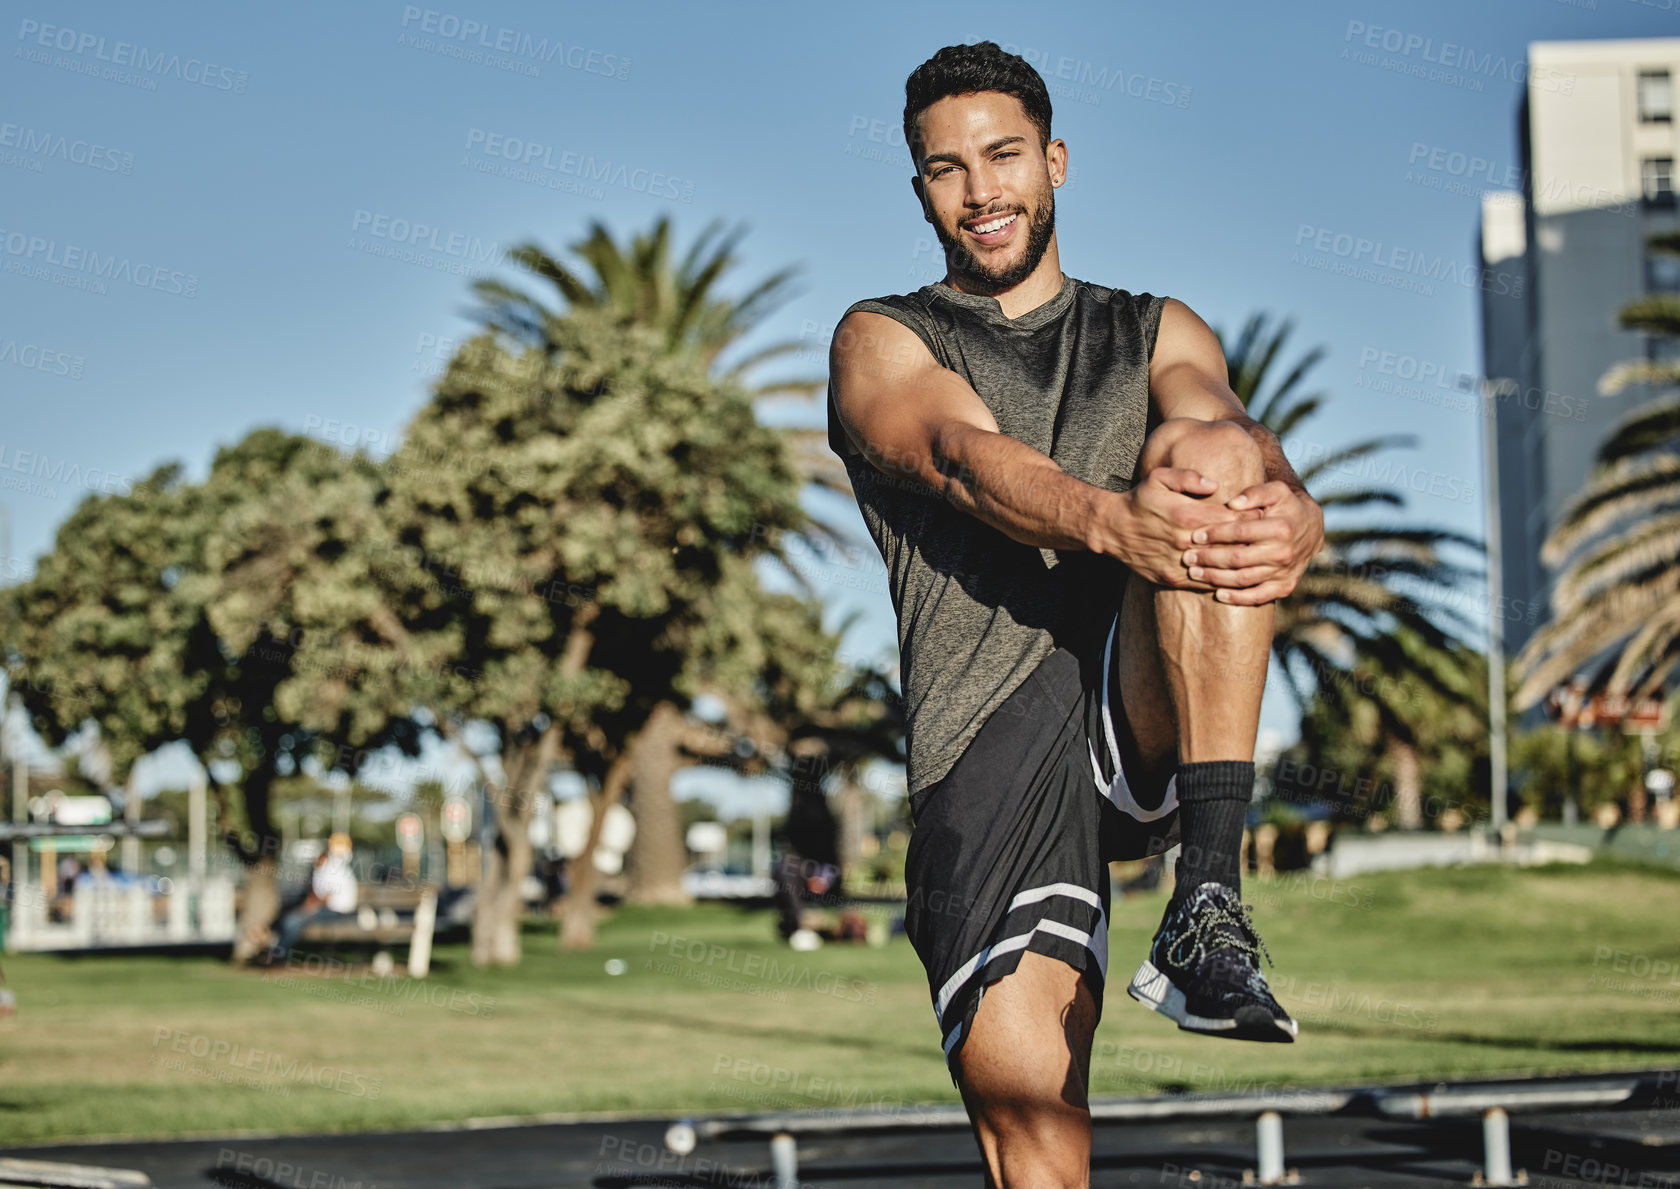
(983, 187)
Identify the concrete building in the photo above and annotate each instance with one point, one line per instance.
(1598, 139)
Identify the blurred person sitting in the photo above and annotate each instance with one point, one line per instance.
(331, 896)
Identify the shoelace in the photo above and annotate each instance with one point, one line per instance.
(1199, 935)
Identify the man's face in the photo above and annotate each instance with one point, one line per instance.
(981, 167)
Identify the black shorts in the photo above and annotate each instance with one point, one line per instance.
(1010, 849)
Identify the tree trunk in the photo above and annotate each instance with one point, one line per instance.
(851, 826)
(811, 829)
(1408, 786)
(1637, 800)
(659, 855)
(578, 911)
(261, 856)
(496, 912)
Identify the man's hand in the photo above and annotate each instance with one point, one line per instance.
(1159, 521)
(1259, 555)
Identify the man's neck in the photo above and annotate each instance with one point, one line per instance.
(1044, 283)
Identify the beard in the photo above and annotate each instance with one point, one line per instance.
(976, 275)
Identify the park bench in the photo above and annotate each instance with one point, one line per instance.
(386, 914)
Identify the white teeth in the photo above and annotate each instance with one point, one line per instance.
(994, 225)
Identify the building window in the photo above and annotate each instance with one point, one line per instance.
(1658, 180)
(1662, 273)
(1656, 97)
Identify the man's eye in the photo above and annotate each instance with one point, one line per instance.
(942, 172)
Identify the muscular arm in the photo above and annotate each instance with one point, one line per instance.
(1187, 378)
(923, 424)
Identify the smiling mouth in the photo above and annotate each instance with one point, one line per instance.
(993, 229)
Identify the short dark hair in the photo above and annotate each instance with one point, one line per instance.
(965, 69)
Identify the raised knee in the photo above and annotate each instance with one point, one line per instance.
(1222, 450)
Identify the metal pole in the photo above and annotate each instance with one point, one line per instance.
(784, 1161)
(1269, 1142)
(1496, 1148)
(20, 810)
(1496, 605)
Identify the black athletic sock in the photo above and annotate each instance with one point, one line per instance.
(1213, 802)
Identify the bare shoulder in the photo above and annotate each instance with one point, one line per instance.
(1182, 327)
(1183, 338)
(868, 343)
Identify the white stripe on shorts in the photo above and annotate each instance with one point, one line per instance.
(1117, 790)
(1096, 942)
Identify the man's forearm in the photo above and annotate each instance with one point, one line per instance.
(1018, 490)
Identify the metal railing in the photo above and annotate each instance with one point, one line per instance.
(1493, 1101)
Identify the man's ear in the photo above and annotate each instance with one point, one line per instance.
(921, 197)
(1055, 160)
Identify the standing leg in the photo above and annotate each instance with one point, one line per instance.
(1024, 1075)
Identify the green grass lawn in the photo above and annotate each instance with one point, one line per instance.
(1393, 977)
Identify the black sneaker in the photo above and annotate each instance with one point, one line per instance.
(1203, 971)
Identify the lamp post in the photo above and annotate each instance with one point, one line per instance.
(1496, 602)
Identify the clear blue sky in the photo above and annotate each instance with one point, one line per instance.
(274, 155)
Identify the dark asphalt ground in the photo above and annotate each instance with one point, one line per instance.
(1608, 1150)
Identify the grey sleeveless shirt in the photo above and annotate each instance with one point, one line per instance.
(978, 611)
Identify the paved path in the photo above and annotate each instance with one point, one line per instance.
(1611, 1150)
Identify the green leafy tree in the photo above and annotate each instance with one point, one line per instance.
(560, 523)
(165, 614)
(643, 284)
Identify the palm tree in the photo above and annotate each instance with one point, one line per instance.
(1617, 542)
(644, 287)
(1377, 605)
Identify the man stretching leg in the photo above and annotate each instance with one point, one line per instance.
(1085, 534)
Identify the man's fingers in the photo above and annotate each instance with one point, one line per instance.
(1244, 578)
(1261, 495)
(1241, 531)
(1253, 596)
(1183, 479)
(1234, 557)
